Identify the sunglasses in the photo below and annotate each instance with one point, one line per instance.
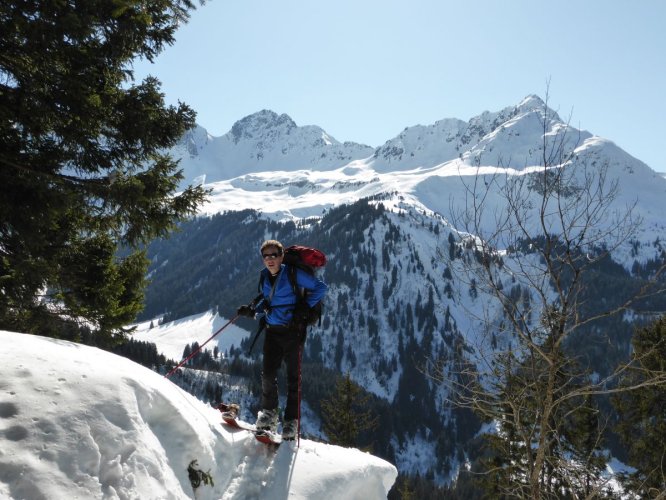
(271, 255)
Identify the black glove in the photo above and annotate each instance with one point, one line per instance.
(314, 314)
(301, 315)
(305, 315)
(246, 311)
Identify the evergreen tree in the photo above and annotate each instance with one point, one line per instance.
(642, 412)
(571, 433)
(344, 416)
(82, 164)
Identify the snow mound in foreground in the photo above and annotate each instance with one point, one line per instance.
(79, 422)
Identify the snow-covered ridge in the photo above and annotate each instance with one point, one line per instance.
(305, 193)
(259, 142)
(266, 141)
(79, 422)
(269, 163)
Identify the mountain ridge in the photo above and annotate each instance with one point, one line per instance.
(261, 141)
(267, 157)
(253, 140)
(291, 173)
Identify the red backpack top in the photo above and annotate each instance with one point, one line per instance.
(299, 256)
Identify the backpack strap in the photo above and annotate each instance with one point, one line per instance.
(260, 286)
(294, 284)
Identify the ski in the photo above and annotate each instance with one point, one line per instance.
(268, 438)
(231, 420)
(230, 417)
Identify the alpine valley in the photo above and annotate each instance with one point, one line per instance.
(401, 296)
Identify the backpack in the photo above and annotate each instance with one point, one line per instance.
(305, 258)
(309, 260)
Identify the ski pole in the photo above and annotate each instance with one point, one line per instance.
(300, 354)
(194, 353)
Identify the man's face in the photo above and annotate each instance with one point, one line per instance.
(272, 259)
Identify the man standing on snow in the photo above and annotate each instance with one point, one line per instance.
(285, 316)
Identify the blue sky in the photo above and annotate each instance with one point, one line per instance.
(363, 70)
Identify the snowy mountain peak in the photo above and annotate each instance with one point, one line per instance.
(260, 124)
(263, 141)
(535, 105)
(428, 146)
(531, 102)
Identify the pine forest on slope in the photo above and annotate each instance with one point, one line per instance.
(396, 302)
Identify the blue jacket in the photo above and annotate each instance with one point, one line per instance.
(280, 306)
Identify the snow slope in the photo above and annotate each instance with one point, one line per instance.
(171, 338)
(79, 422)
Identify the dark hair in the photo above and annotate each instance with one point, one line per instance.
(272, 243)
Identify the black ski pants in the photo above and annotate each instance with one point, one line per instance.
(281, 344)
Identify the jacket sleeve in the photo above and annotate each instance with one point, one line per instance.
(316, 287)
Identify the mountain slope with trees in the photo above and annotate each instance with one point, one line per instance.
(403, 300)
